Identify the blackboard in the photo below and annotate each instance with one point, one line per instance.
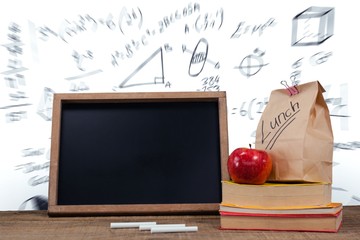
(137, 153)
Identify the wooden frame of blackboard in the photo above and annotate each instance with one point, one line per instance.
(65, 207)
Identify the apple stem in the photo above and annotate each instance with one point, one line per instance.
(250, 145)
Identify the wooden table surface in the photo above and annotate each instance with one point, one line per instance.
(36, 225)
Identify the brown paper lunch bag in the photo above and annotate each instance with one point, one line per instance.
(296, 131)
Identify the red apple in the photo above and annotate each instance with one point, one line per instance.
(250, 166)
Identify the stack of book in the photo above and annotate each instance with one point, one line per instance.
(279, 206)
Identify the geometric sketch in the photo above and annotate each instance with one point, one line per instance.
(252, 63)
(150, 68)
(199, 57)
(45, 105)
(312, 26)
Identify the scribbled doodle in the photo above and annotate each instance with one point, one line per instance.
(170, 19)
(14, 77)
(15, 67)
(130, 48)
(210, 84)
(15, 116)
(45, 32)
(248, 108)
(78, 87)
(30, 152)
(320, 58)
(18, 95)
(244, 28)
(118, 55)
(199, 57)
(15, 47)
(209, 21)
(79, 59)
(155, 58)
(130, 18)
(128, 22)
(338, 106)
(252, 63)
(315, 60)
(353, 145)
(69, 29)
(85, 22)
(15, 81)
(312, 26)
(296, 74)
(37, 180)
(32, 166)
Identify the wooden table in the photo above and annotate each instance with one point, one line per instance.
(36, 225)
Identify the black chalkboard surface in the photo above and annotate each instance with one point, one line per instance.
(137, 153)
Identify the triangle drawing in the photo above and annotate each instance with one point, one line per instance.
(151, 71)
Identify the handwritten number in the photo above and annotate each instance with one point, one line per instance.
(210, 83)
(243, 112)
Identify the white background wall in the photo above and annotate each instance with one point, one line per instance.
(105, 46)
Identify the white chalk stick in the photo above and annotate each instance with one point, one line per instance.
(130, 224)
(173, 229)
(149, 226)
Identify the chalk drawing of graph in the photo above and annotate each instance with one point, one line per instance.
(152, 68)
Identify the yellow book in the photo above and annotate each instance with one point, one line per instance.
(323, 219)
(276, 195)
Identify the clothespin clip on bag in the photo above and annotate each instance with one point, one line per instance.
(293, 90)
